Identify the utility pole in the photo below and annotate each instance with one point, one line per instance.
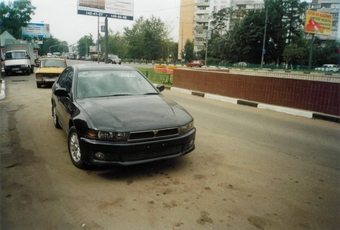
(264, 37)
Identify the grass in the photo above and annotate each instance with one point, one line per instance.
(156, 77)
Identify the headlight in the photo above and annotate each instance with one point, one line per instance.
(186, 128)
(39, 75)
(103, 135)
(24, 66)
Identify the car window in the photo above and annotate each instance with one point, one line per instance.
(65, 79)
(112, 83)
(52, 63)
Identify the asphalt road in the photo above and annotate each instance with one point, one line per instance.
(252, 169)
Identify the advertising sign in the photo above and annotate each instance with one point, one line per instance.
(118, 9)
(318, 22)
(36, 30)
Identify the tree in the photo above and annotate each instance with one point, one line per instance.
(146, 38)
(325, 52)
(293, 53)
(14, 16)
(189, 50)
(84, 43)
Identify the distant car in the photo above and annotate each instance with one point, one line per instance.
(49, 70)
(113, 115)
(114, 59)
(328, 67)
(241, 64)
(195, 63)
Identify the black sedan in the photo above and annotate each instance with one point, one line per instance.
(113, 115)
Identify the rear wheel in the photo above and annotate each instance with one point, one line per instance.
(74, 149)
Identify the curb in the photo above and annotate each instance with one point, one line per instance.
(280, 109)
(3, 89)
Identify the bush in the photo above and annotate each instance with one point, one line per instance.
(160, 66)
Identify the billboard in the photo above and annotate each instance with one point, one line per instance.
(318, 22)
(118, 9)
(36, 30)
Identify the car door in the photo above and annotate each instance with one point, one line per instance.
(64, 104)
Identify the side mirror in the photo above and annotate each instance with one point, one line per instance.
(61, 92)
(160, 87)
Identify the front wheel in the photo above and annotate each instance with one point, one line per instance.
(55, 117)
(75, 150)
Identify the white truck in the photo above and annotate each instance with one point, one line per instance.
(19, 58)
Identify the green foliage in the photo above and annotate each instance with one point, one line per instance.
(83, 45)
(293, 52)
(325, 53)
(157, 77)
(244, 40)
(14, 16)
(147, 39)
(189, 50)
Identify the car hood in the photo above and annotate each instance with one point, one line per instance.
(50, 70)
(132, 113)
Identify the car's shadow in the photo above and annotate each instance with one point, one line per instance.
(127, 173)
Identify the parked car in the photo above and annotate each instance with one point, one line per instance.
(49, 70)
(114, 59)
(328, 67)
(241, 64)
(195, 63)
(113, 115)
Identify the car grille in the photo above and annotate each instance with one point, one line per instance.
(50, 75)
(143, 154)
(151, 134)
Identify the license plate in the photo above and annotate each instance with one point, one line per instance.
(49, 79)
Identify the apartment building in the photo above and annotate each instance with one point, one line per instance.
(186, 24)
(195, 19)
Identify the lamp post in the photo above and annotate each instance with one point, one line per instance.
(49, 49)
(264, 37)
(182, 46)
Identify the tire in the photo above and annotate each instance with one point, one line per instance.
(75, 150)
(38, 85)
(28, 71)
(55, 117)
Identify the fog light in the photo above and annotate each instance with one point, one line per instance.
(99, 155)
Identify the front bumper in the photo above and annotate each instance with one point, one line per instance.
(130, 153)
(15, 69)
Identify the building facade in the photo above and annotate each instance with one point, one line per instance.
(195, 18)
(186, 24)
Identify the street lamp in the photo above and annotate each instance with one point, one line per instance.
(182, 45)
(49, 49)
(264, 37)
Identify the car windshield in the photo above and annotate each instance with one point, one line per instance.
(53, 63)
(112, 83)
(16, 55)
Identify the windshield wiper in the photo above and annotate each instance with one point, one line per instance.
(117, 95)
(153, 93)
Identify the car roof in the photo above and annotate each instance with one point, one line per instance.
(92, 66)
(52, 58)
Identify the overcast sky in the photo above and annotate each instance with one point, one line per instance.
(67, 25)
